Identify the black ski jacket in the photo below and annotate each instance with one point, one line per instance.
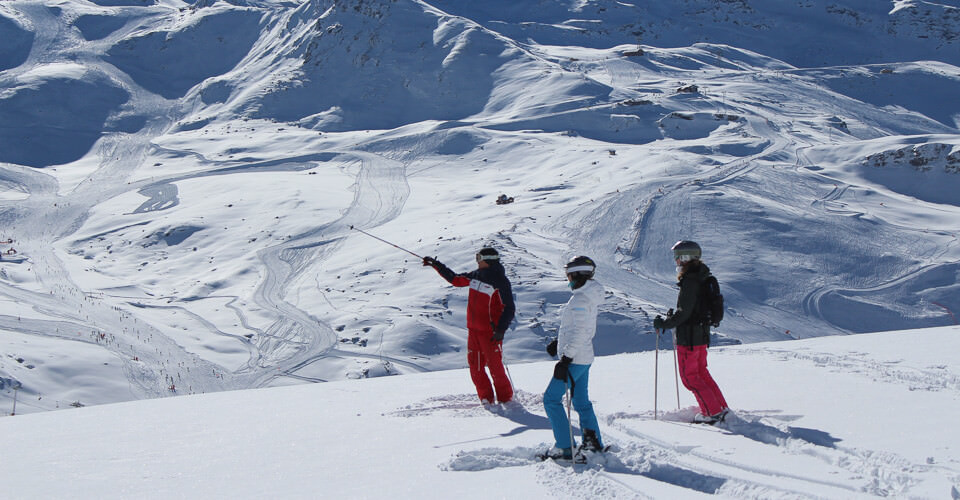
(686, 317)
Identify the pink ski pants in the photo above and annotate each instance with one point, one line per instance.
(696, 378)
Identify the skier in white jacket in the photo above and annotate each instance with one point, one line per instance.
(574, 345)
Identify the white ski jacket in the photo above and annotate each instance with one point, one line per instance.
(578, 323)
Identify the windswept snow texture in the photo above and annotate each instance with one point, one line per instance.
(181, 183)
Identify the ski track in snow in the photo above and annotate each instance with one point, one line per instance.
(380, 192)
(726, 459)
(936, 378)
(149, 365)
(883, 474)
(590, 224)
(296, 339)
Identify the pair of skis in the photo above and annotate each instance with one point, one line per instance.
(579, 458)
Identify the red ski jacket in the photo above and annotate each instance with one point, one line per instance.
(490, 305)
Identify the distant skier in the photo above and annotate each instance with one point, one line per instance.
(574, 345)
(692, 336)
(490, 309)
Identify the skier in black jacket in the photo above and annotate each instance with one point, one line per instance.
(693, 337)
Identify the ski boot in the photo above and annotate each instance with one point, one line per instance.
(700, 418)
(557, 454)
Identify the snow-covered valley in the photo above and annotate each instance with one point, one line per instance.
(178, 183)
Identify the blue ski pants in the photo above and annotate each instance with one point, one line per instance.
(553, 404)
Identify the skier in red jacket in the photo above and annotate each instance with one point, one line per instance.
(490, 310)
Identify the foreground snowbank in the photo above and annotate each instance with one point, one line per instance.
(835, 417)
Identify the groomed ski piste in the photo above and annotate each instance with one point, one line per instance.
(178, 183)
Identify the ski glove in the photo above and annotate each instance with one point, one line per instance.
(552, 348)
(562, 370)
(658, 323)
(430, 261)
(497, 335)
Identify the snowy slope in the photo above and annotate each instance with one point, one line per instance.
(179, 180)
(844, 417)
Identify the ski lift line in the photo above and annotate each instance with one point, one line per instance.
(847, 67)
(21, 402)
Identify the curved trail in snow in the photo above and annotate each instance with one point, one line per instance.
(646, 214)
(151, 359)
(590, 226)
(380, 193)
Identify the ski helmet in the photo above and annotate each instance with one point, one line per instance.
(488, 253)
(685, 250)
(580, 268)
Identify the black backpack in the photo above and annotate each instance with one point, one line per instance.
(710, 302)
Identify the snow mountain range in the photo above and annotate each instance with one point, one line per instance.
(181, 185)
(178, 181)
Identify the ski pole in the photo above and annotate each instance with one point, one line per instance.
(503, 360)
(676, 368)
(385, 241)
(656, 366)
(569, 403)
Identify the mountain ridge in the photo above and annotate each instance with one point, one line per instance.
(187, 224)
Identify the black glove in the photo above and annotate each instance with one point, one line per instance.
(562, 369)
(658, 323)
(552, 347)
(430, 261)
(497, 335)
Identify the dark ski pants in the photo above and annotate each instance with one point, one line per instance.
(484, 354)
(696, 378)
(553, 404)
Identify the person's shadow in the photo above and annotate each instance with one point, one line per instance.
(752, 428)
(513, 411)
(527, 421)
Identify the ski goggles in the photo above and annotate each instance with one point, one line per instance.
(487, 257)
(577, 269)
(684, 257)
